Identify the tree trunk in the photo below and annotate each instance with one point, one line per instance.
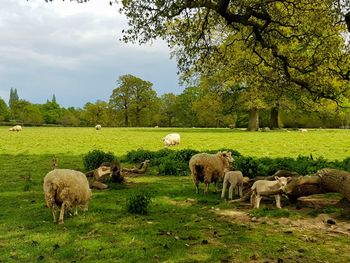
(126, 118)
(253, 124)
(138, 112)
(333, 180)
(274, 118)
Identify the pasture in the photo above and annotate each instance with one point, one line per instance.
(181, 226)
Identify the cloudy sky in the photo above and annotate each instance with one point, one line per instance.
(73, 51)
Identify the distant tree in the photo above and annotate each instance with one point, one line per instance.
(26, 112)
(4, 111)
(96, 113)
(132, 97)
(185, 113)
(51, 112)
(13, 97)
(168, 108)
(54, 99)
(71, 117)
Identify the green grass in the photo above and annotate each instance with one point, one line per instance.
(180, 226)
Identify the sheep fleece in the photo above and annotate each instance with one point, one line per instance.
(66, 185)
(212, 167)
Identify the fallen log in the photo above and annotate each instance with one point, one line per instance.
(141, 170)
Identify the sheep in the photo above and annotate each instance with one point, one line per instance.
(66, 189)
(209, 168)
(98, 127)
(303, 130)
(235, 178)
(16, 128)
(171, 139)
(264, 188)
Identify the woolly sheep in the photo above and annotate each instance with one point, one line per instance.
(209, 168)
(303, 130)
(265, 188)
(235, 178)
(16, 128)
(66, 189)
(98, 127)
(171, 139)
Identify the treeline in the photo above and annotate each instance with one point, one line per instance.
(134, 103)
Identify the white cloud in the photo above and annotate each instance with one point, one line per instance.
(72, 50)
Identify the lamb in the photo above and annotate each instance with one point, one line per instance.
(171, 139)
(209, 168)
(16, 128)
(264, 188)
(66, 189)
(235, 178)
(98, 127)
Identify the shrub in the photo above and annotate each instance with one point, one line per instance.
(171, 166)
(139, 203)
(95, 158)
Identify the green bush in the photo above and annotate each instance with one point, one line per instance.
(170, 162)
(139, 203)
(95, 158)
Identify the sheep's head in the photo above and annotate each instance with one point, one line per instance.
(283, 181)
(226, 157)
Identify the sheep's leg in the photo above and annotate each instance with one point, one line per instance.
(206, 187)
(252, 199)
(258, 199)
(196, 183)
(53, 208)
(76, 211)
(278, 201)
(230, 191)
(224, 185)
(60, 219)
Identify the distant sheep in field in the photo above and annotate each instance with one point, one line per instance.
(235, 179)
(171, 139)
(16, 128)
(98, 127)
(265, 188)
(209, 168)
(66, 189)
(303, 130)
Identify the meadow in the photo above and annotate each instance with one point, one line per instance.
(181, 225)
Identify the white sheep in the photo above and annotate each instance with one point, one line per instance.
(16, 128)
(235, 178)
(209, 168)
(66, 189)
(171, 139)
(98, 127)
(303, 130)
(265, 188)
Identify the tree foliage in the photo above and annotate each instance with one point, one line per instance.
(276, 31)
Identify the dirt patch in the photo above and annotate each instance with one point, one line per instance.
(324, 222)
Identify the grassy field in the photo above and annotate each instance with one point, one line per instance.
(181, 226)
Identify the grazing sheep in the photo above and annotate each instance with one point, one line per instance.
(264, 188)
(98, 127)
(209, 168)
(235, 178)
(303, 130)
(171, 139)
(16, 128)
(66, 189)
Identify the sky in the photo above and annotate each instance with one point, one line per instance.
(73, 51)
